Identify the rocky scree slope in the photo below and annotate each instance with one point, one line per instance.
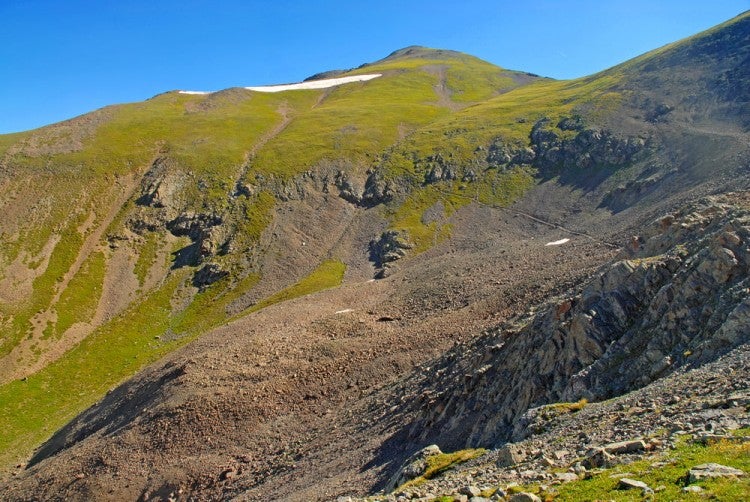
(675, 301)
(131, 230)
(207, 233)
(680, 298)
(556, 447)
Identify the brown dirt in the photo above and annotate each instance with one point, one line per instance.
(444, 93)
(272, 395)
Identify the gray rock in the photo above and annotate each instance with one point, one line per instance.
(598, 457)
(524, 497)
(631, 484)
(712, 470)
(547, 462)
(692, 489)
(499, 494)
(625, 447)
(566, 477)
(392, 245)
(207, 275)
(471, 491)
(415, 466)
(509, 455)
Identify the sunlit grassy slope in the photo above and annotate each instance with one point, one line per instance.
(73, 196)
(70, 188)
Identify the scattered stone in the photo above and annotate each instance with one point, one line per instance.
(566, 477)
(524, 497)
(509, 455)
(631, 484)
(499, 494)
(598, 457)
(692, 489)
(471, 491)
(625, 447)
(547, 462)
(712, 470)
(579, 469)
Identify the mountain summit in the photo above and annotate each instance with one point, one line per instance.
(289, 295)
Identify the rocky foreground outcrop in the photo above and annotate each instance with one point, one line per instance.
(677, 297)
(568, 442)
(651, 349)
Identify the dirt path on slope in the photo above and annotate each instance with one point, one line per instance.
(443, 92)
(285, 112)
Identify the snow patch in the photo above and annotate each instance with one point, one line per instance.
(557, 243)
(313, 84)
(344, 311)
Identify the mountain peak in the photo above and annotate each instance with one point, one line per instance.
(418, 51)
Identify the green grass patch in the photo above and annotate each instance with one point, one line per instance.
(553, 410)
(255, 215)
(671, 475)
(437, 464)
(329, 274)
(35, 408)
(147, 253)
(410, 215)
(209, 308)
(45, 285)
(79, 300)
(494, 188)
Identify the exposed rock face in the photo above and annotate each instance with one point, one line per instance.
(679, 299)
(567, 145)
(349, 189)
(554, 150)
(712, 470)
(207, 275)
(414, 467)
(392, 245)
(377, 191)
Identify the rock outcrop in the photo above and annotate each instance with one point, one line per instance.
(392, 245)
(677, 297)
(570, 145)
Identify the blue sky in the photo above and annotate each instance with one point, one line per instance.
(59, 59)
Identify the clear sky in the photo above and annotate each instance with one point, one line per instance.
(62, 58)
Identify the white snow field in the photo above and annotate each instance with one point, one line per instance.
(313, 84)
(557, 243)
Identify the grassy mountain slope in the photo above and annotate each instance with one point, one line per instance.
(135, 229)
(106, 215)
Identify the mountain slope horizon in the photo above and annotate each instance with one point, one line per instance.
(265, 264)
